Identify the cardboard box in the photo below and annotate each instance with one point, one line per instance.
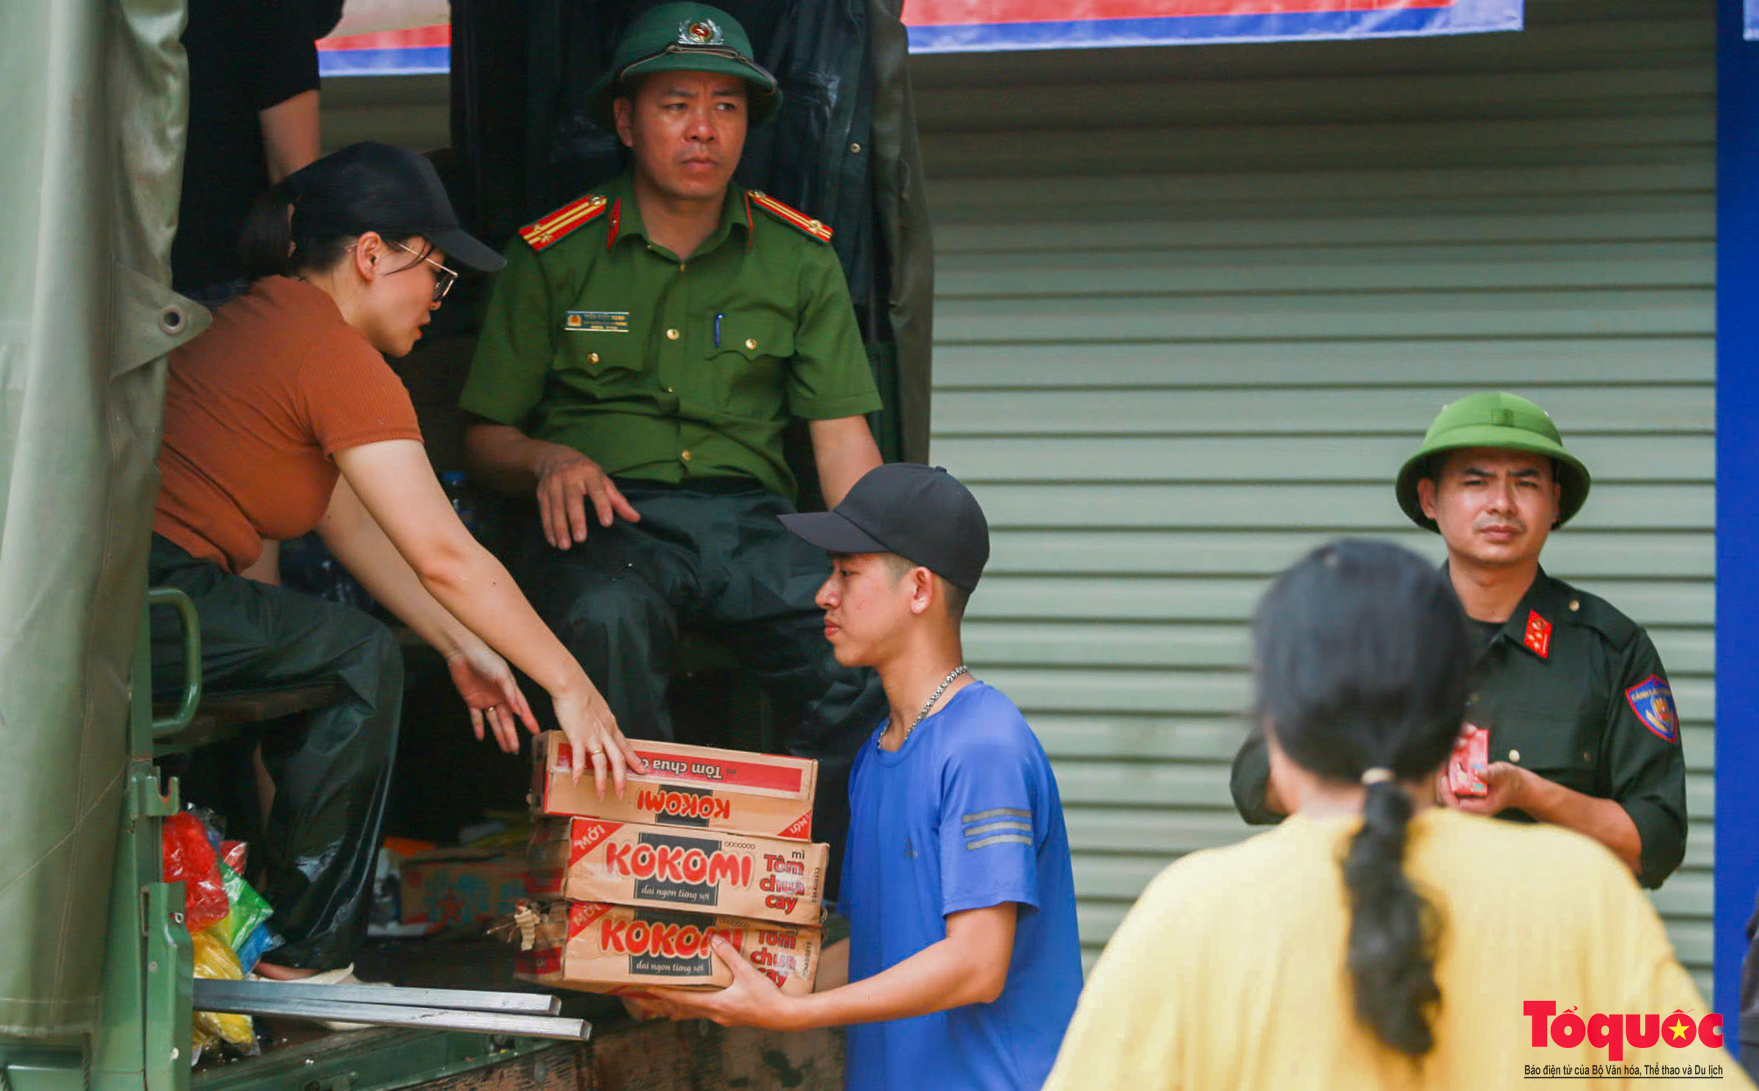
(709, 871)
(460, 886)
(693, 786)
(614, 948)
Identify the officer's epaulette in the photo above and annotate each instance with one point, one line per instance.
(1600, 615)
(793, 217)
(558, 224)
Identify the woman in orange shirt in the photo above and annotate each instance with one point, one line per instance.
(284, 417)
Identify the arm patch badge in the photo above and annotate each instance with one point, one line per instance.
(1652, 701)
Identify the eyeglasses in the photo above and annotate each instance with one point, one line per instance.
(443, 279)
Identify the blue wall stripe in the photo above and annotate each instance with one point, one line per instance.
(1737, 514)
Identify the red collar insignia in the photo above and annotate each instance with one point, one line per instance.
(1538, 638)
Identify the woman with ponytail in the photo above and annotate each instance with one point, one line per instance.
(1373, 940)
(283, 417)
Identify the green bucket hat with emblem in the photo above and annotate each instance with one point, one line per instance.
(1503, 421)
(684, 38)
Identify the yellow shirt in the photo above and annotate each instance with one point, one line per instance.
(1229, 972)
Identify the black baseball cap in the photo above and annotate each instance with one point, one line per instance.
(371, 186)
(921, 513)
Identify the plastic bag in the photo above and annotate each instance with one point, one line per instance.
(245, 919)
(215, 960)
(189, 859)
(247, 907)
(260, 942)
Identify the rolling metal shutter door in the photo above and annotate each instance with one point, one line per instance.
(1197, 304)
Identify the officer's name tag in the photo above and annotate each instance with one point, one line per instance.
(596, 322)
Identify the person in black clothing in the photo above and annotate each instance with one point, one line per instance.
(1583, 732)
(253, 120)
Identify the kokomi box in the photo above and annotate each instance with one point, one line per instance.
(709, 871)
(692, 786)
(613, 948)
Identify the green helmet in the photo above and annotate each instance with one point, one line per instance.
(684, 38)
(1504, 421)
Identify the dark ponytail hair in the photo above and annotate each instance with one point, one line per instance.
(268, 246)
(305, 222)
(1362, 664)
(1393, 931)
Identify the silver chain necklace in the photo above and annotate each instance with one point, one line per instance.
(935, 696)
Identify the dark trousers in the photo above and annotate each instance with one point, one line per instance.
(721, 563)
(331, 770)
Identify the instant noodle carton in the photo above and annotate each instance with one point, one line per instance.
(696, 787)
(615, 948)
(709, 871)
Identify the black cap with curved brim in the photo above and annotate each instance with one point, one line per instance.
(921, 513)
(1505, 422)
(684, 38)
(371, 186)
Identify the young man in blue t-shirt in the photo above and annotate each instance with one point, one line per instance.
(963, 965)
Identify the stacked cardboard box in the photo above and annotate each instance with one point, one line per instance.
(629, 891)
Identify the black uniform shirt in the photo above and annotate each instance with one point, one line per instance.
(1572, 689)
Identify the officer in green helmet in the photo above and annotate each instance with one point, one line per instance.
(1582, 727)
(640, 357)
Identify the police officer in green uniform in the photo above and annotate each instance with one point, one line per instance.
(640, 357)
(1583, 730)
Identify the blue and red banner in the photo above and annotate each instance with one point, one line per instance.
(949, 26)
(410, 52)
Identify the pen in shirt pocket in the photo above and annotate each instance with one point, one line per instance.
(718, 318)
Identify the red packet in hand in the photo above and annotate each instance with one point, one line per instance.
(1470, 760)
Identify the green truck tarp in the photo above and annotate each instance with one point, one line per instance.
(92, 112)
